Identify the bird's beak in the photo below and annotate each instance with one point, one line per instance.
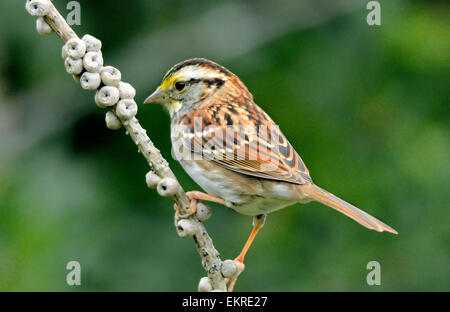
(158, 96)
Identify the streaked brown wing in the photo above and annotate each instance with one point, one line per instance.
(238, 135)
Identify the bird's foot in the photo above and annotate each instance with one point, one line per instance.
(194, 197)
(240, 266)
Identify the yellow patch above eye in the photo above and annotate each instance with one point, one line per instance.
(168, 82)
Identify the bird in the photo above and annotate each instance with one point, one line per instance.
(234, 151)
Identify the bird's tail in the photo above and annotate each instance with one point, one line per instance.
(363, 218)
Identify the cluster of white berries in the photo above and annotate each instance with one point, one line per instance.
(83, 59)
(168, 187)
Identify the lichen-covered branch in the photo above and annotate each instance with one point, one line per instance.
(84, 60)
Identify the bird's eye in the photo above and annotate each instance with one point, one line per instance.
(179, 85)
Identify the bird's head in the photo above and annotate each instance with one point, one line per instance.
(190, 82)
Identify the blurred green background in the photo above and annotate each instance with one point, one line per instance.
(367, 107)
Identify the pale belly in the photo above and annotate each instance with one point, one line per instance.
(245, 194)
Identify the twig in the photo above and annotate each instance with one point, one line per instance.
(84, 60)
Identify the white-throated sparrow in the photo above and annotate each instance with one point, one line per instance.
(234, 151)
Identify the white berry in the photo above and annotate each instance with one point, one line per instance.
(152, 179)
(107, 96)
(126, 109)
(112, 122)
(228, 268)
(186, 228)
(37, 7)
(42, 27)
(90, 81)
(73, 66)
(126, 90)
(93, 62)
(75, 48)
(203, 212)
(92, 43)
(204, 285)
(110, 76)
(168, 187)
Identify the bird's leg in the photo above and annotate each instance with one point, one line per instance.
(258, 223)
(194, 197)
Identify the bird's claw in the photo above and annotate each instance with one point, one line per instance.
(191, 211)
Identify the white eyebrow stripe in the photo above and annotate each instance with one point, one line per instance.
(197, 72)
